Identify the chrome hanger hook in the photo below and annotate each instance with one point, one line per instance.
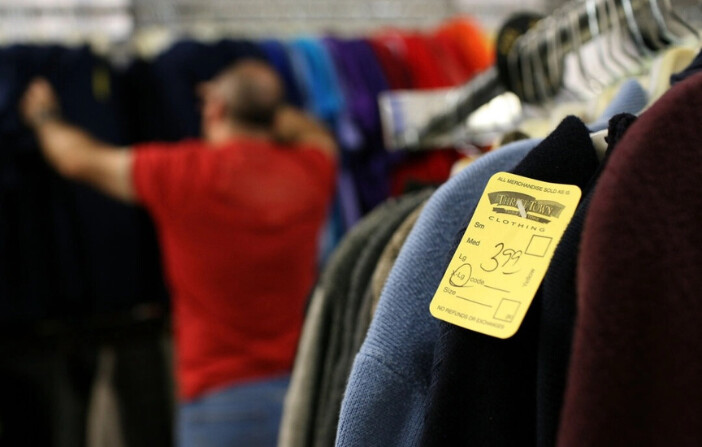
(596, 35)
(682, 22)
(538, 64)
(609, 23)
(661, 23)
(527, 79)
(634, 29)
(593, 84)
(618, 31)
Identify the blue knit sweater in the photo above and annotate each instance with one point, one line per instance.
(385, 397)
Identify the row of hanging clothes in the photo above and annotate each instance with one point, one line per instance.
(83, 308)
(80, 277)
(50, 225)
(337, 80)
(608, 351)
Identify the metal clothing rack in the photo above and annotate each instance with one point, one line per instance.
(532, 64)
(65, 21)
(37, 20)
(123, 29)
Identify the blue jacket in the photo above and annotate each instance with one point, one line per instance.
(387, 390)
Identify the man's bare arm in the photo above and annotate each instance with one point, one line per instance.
(293, 126)
(72, 151)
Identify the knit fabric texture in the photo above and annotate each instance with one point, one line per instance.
(384, 400)
(483, 389)
(300, 406)
(342, 346)
(388, 258)
(558, 306)
(635, 371)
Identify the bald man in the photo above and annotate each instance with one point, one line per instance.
(238, 215)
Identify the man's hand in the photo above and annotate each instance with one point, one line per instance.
(39, 103)
(72, 151)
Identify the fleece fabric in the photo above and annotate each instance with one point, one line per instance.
(635, 372)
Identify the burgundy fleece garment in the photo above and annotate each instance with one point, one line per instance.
(635, 377)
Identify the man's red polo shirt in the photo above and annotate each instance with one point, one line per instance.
(238, 227)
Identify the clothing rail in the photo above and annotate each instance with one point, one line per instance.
(79, 10)
(37, 20)
(530, 59)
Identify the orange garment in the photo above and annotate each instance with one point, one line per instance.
(470, 43)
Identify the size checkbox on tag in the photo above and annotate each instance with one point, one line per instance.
(538, 245)
(506, 310)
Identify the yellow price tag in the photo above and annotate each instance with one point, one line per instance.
(504, 254)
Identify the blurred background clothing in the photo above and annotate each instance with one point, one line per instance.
(245, 414)
(86, 355)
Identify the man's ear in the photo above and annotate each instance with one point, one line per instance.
(220, 109)
(215, 109)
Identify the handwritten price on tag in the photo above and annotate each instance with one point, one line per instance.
(512, 256)
(503, 258)
(504, 254)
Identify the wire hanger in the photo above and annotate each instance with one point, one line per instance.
(535, 58)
